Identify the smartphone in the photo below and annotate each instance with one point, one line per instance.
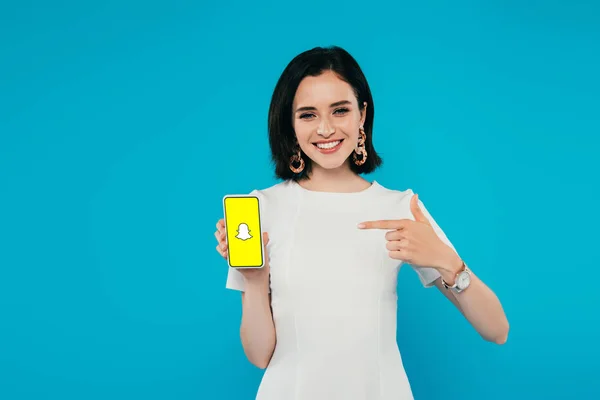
(243, 231)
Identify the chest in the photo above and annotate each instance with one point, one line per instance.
(320, 252)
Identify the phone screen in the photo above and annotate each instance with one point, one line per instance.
(244, 234)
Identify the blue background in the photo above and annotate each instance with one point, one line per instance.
(123, 125)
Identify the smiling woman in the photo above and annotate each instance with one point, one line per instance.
(331, 101)
(321, 314)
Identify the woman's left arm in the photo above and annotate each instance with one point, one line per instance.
(478, 303)
(417, 243)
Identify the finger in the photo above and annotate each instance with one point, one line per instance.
(401, 255)
(396, 235)
(220, 236)
(384, 224)
(221, 225)
(416, 210)
(222, 245)
(396, 245)
(221, 251)
(266, 242)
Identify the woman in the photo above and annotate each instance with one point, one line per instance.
(321, 314)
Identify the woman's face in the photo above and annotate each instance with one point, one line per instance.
(327, 119)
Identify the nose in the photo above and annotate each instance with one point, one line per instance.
(325, 129)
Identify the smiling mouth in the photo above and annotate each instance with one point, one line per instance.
(328, 145)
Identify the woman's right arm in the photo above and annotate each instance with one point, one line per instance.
(257, 330)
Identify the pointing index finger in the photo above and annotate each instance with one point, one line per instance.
(382, 224)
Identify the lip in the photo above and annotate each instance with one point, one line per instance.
(331, 150)
(327, 141)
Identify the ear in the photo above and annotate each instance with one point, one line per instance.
(363, 114)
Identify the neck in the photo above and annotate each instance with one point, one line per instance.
(341, 179)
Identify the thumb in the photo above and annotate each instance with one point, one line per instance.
(265, 243)
(416, 210)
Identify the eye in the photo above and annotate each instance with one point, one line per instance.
(341, 111)
(306, 116)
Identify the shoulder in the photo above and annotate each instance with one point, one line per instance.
(397, 202)
(393, 196)
(275, 193)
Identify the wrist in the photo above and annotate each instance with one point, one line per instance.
(259, 284)
(450, 267)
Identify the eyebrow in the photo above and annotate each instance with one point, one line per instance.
(337, 103)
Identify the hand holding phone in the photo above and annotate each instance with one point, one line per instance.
(243, 231)
(237, 208)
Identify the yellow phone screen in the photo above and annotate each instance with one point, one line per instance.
(244, 235)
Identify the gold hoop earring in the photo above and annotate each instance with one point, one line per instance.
(296, 162)
(360, 154)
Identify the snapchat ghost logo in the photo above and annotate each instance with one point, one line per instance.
(243, 232)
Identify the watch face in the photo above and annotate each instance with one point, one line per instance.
(463, 280)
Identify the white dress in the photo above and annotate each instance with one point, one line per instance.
(333, 289)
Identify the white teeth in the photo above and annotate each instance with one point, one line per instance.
(329, 145)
